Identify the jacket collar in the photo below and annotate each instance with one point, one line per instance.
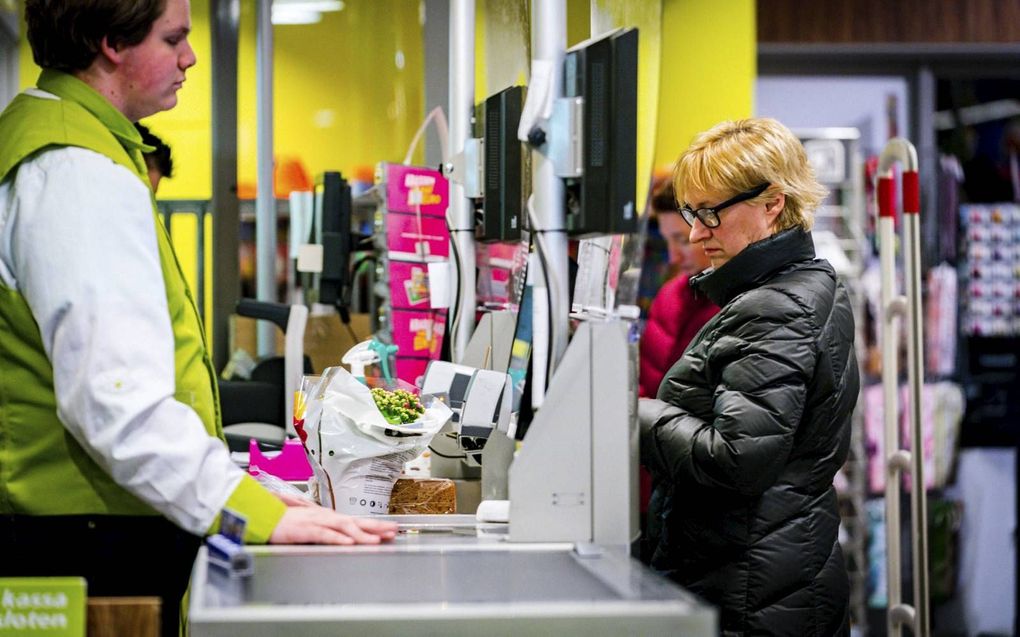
(68, 87)
(754, 265)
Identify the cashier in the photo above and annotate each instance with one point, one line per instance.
(112, 465)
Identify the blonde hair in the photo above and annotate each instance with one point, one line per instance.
(734, 157)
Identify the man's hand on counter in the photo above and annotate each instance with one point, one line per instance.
(313, 524)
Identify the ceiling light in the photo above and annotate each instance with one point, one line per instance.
(286, 15)
(323, 6)
(303, 11)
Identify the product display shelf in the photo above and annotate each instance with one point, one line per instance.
(836, 157)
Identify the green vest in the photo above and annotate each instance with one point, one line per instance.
(43, 470)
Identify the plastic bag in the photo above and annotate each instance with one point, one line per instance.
(355, 453)
(275, 485)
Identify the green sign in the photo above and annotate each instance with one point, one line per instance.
(42, 606)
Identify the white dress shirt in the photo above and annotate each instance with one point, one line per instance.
(78, 241)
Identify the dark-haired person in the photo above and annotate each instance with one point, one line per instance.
(675, 316)
(677, 313)
(752, 423)
(159, 163)
(111, 462)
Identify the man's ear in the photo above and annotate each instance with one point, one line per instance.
(774, 207)
(113, 55)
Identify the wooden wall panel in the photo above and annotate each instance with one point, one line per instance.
(856, 21)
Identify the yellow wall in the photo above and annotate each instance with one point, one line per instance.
(646, 16)
(708, 69)
(186, 128)
(340, 100)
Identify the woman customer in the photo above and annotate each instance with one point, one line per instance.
(752, 423)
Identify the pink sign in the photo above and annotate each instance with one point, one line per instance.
(413, 189)
(411, 369)
(418, 335)
(418, 332)
(409, 285)
(413, 237)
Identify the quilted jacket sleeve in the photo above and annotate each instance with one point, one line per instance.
(752, 380)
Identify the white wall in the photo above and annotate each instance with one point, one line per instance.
(986, 577)
(822, 101)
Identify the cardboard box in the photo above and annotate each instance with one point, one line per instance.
(326, 339)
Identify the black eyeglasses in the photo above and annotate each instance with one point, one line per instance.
(710, 216)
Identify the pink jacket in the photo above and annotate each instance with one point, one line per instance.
(675, 317)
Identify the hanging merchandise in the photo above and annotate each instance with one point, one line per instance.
(940, 329)
(942, 408)
(940, 229)
(875, 511)
(992, 299)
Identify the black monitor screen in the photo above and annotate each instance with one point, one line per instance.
(604, 72)
(503, 200)
(332, 230)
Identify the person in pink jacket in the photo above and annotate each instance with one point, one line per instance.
(676, 314)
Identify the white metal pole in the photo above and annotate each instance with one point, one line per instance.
(461, 210)
(549, 40)
(900, 461)
(265, 200)
(915, 380)
(891, 307)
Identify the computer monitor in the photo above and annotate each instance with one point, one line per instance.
(603, 71)
(497, 119)
(332, 230)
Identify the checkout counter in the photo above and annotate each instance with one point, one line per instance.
(560, 565)
(442, 575)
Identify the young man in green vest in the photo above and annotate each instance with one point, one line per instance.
(111, 462)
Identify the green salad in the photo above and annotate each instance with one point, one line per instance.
(398, 407)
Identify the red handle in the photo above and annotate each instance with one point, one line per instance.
(887, 197)
(911, 193)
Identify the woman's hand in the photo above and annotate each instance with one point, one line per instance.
(313, 524)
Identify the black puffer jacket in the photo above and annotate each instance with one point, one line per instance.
(748, 430)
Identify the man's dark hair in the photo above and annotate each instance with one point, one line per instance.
(160, 158)
(65, 35)
(664, 198)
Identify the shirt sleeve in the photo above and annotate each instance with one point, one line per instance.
(82, 251)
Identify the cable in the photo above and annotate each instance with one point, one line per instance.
(350, 330)
(455, 310)
(368, 258)
(437, 115)
(540, 250)
(443, 455)
(549, 283)
(452, 436)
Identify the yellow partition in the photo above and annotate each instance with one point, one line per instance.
(707, 72)
(646, 16)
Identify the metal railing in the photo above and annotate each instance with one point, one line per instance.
(900, 461)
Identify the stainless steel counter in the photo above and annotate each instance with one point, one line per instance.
(442, 577)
